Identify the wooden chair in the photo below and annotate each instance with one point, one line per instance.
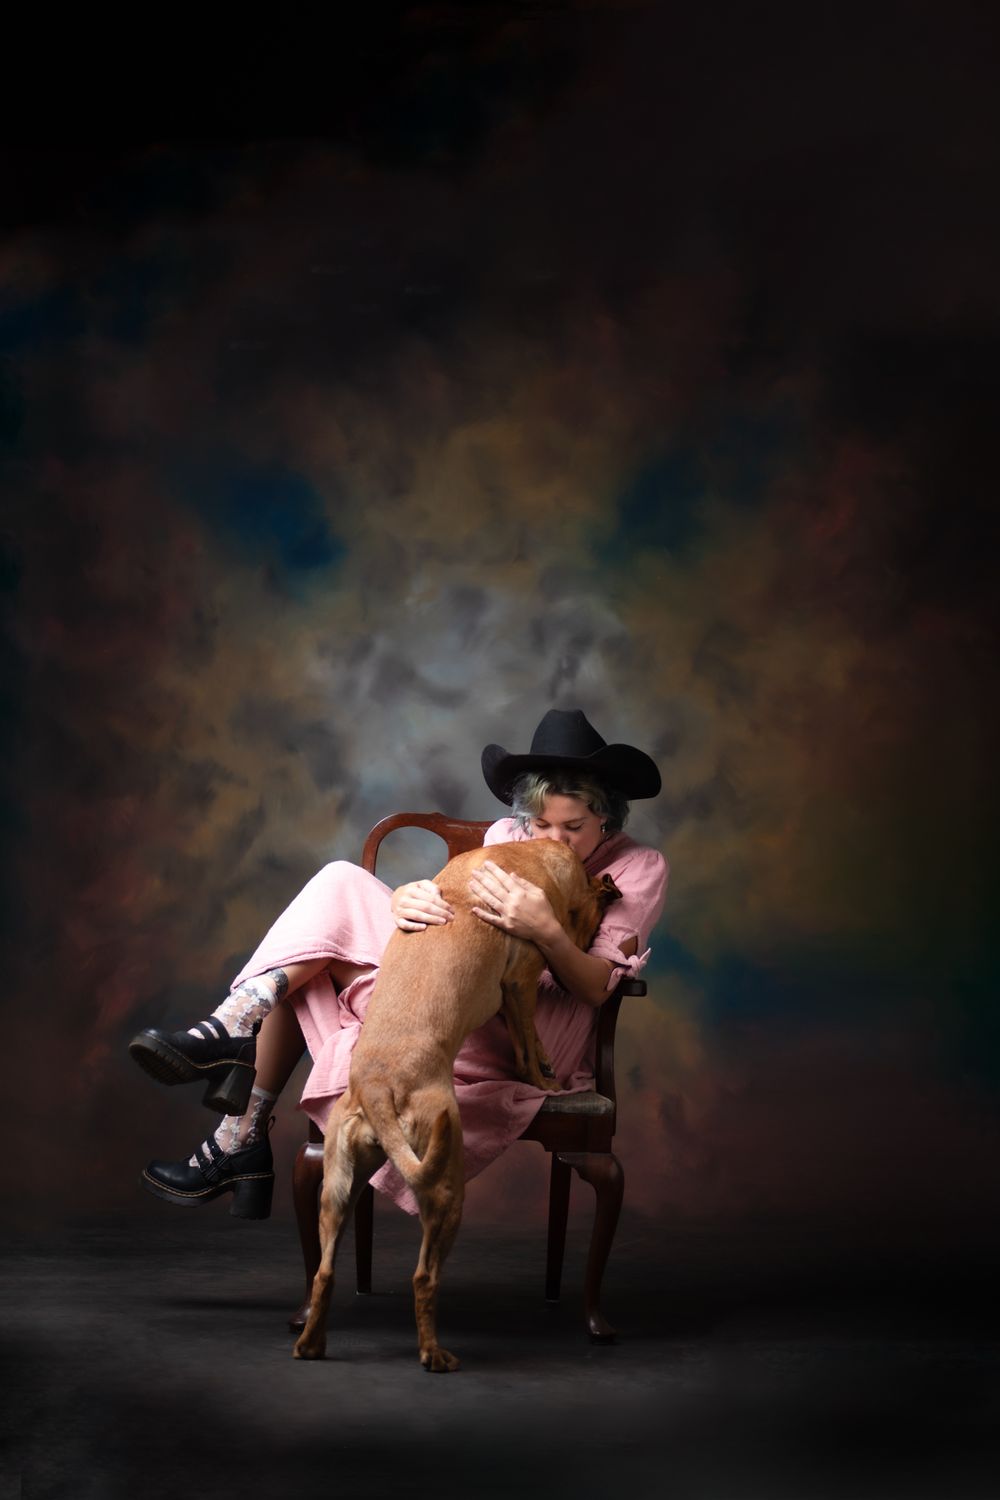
(575, 1129)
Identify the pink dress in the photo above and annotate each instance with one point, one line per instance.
(343, 913)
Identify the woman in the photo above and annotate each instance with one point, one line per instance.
(309, 982)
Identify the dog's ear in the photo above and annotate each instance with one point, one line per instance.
(606, 892)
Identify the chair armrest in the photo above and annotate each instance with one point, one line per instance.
(604, 1044)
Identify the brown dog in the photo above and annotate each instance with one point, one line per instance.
(433, 988)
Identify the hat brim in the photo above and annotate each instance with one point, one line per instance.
(623, 767)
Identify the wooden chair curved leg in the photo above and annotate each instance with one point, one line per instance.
(604, 1172)
(558, 1212)
(307, 1179)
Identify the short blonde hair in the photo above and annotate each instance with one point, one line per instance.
(530, 790)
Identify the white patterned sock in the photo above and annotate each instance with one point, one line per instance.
(251, 1002)
(236, 1131)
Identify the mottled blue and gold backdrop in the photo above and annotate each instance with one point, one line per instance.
(539, 369)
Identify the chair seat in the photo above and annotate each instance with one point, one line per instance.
(586, 1102)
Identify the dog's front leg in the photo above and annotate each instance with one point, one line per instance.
(512, 1010)
(518, 1010)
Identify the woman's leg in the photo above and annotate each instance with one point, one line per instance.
(342, 909)
(236, 1156)
(247, 1049)
(280, 1046)
(279, 1042)
(255, 999)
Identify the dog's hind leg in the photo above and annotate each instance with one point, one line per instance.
(440, 1215)
(351, 1156)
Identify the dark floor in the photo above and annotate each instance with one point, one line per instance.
(151, 1359)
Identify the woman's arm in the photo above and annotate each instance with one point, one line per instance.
(419, 904)
(517, 906)
(584, 975)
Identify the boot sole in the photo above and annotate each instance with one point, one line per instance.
(229, 1080)
(251, 1194)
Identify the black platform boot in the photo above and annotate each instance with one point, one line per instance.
(227, 1064)
(247, 1173)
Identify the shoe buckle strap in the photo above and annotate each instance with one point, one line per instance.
(209, 1154)
(208, 1030)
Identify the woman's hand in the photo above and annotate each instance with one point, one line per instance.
(513, 904)
(419, 904)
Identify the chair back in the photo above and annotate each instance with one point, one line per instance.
(459, 834)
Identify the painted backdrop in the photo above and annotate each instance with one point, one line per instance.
(541, 369)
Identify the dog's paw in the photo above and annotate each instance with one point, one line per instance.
(438, 1361)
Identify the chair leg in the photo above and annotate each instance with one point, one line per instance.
(558, 1211)
(307, 1179)
(364, 1222)
(604, 1173)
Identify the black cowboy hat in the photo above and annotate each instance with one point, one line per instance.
(565, 741)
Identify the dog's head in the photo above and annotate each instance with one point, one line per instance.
(585, 918)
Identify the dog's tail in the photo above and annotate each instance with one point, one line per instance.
(379, 1106)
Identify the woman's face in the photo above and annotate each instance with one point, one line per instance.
(570, 821)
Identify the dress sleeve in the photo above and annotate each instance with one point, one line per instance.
(505, 831)
(641, 875)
